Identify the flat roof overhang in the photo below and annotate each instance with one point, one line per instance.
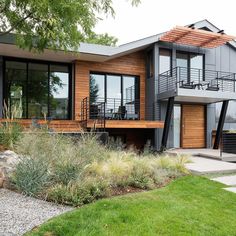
(196, 37)
(11, 50)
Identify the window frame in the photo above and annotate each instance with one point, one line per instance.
(189, 53)
(43, 62)
(106, 74)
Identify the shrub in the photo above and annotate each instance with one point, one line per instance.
(66, 171)
(31, 176)
(115, 144)
(78, 193)
(9, 133)
(80, 171)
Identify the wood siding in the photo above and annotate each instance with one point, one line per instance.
(132, 64)
(193, 126)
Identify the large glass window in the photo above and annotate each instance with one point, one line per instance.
(59, 91)
(164, 60)
(120, 92)
(37, 90)
(16, 81)
(97, 87)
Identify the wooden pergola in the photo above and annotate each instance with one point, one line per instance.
(196, 37)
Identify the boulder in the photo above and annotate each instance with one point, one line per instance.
(8, 162)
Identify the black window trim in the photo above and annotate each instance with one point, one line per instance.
(105, 74)
(45, 62)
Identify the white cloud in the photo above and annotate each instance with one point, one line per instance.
(156, 16)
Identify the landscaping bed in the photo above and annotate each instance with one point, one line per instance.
(69, 171)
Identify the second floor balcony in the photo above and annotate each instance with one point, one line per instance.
(196, 85)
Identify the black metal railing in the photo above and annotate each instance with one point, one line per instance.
(115, 108)
(89, 110)
(191, 78)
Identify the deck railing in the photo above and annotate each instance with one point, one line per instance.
(191, 78)
(115, 108)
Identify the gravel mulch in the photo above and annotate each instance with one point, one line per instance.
(19, 214)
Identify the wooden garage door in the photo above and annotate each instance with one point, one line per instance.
(193, 126)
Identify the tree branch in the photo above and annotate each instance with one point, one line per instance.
(17, 23)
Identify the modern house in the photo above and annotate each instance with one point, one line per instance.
(168, 88)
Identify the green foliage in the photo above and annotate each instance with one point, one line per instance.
(80, 171)
(31, 176)
(103, 39)
(10, 130)
(44, 24)
(78, 193)
(9, 133)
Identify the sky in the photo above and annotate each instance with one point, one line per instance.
(155, 16)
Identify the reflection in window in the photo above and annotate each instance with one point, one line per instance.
(59, 91)
(16, 77)
(113, 92)
(37, 90)
(164, 60)
(97, 87)
(130, 94)
(120, 92)
(181, 59)
(230, 119)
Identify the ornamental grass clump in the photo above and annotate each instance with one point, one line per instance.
(78, 171)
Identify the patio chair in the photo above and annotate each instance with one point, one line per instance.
(187, 85)
(121, 113)
(213, 87)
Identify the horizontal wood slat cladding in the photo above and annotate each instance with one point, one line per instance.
(132, 64)
(193, 126)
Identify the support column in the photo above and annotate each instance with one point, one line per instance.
(170, 106)
(220, 124)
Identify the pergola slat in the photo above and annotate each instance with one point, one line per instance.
(196, 37)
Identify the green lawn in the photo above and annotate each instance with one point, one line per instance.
(188, 206)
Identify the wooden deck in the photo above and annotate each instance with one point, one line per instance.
(55, 125)
(128, 124)
(76, 126)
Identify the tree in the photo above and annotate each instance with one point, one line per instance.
(59, 24)
(103, 39)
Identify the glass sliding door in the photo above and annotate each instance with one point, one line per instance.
(196, 65)
(191, 66)
(59, 91)
(182, 63)
(16, 87)
(38, 90)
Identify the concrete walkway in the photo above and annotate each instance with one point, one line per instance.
(229, 180)
(201, 166)
(205, 152)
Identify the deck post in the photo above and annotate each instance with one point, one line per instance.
(170, 106)
(221, 124)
